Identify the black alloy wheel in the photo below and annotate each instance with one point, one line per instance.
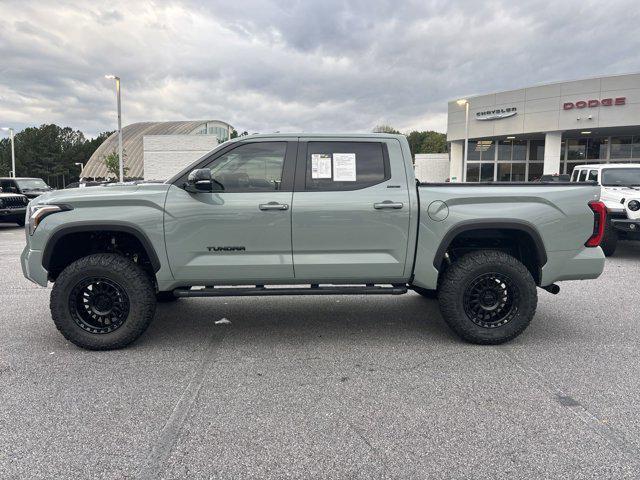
(98, 305)
(491, 300)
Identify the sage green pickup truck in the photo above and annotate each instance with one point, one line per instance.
(305, 214)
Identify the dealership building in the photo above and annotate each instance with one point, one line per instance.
(518, 135)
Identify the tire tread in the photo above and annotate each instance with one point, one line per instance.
(141, 288)
(453, 280)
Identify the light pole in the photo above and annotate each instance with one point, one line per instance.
(81, 165)
(120, 159)
(465, 102)
(13, 151)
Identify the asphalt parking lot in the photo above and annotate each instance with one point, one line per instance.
(326, 387)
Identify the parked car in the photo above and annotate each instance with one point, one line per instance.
(327, 214)
(620, 192)
(30, 187)
(84, 184)
(13, 207)
(554, 178)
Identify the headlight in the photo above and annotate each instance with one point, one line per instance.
(37, 213)
(634, 205)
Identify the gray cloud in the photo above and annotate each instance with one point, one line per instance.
(274, 65)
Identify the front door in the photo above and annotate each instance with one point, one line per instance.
(241, 234)
(350, 211)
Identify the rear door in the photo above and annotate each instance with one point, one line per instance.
(350, 211)
(243, 233)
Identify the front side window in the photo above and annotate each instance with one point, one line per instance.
(27, 184)
(253, 167)
(345, 165)
(593, 176)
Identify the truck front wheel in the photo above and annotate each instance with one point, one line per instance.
(102, 302)
(487, 297)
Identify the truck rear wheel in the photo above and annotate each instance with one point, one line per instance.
(102, 302)
(609, 241)
(488, 297)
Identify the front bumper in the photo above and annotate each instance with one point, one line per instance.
(625, 225)
(12, 214)
(31, 261)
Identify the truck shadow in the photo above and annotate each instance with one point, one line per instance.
(627, 250)
(303, 319)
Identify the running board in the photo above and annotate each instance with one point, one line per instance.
(260, 290)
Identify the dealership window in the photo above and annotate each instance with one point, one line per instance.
(512, 157)
(509, 160)
(625, 148)
(481, 158)
(536, 150)
(535, 171)
(580, 151)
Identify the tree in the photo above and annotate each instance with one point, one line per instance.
(419, 142)
(234, 133)
(427, 142)
(49, 152)
(112, 162)
(385, 129)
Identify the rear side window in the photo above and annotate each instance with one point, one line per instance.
(574, 176)
(593, 176)
(583, 176)
(345, 165)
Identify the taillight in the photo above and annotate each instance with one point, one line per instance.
(599, 220)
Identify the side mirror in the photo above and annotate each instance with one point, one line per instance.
(199, 181)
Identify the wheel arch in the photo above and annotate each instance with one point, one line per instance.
(96, 228)
(517, 230)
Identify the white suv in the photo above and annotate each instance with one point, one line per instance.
(620, 192)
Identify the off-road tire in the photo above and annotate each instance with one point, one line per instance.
(609, 241)
(115, 268)
(425, 292)
(165, 297)
(459, 280)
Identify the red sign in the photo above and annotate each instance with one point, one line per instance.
(605, 102)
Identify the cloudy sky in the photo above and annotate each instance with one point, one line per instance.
(281, 65)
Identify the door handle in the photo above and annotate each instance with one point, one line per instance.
(273, 206)
(388, 204)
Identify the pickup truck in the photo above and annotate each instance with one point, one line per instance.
(620, 193)
(12, 207)
(288, 214)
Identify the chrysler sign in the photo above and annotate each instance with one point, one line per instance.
(497, 113)
(605, 102)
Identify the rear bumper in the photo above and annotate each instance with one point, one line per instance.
(31, 261)
(584, 264)
(624, 225)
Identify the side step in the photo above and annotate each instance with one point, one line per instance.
(261, 290)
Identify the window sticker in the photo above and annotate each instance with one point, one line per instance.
(344, 167)
(320, 165)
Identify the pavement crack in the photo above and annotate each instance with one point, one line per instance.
(595, 424)
(161, 449)
(362, 437)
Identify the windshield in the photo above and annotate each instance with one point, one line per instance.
(612, 177)
(32, 184)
